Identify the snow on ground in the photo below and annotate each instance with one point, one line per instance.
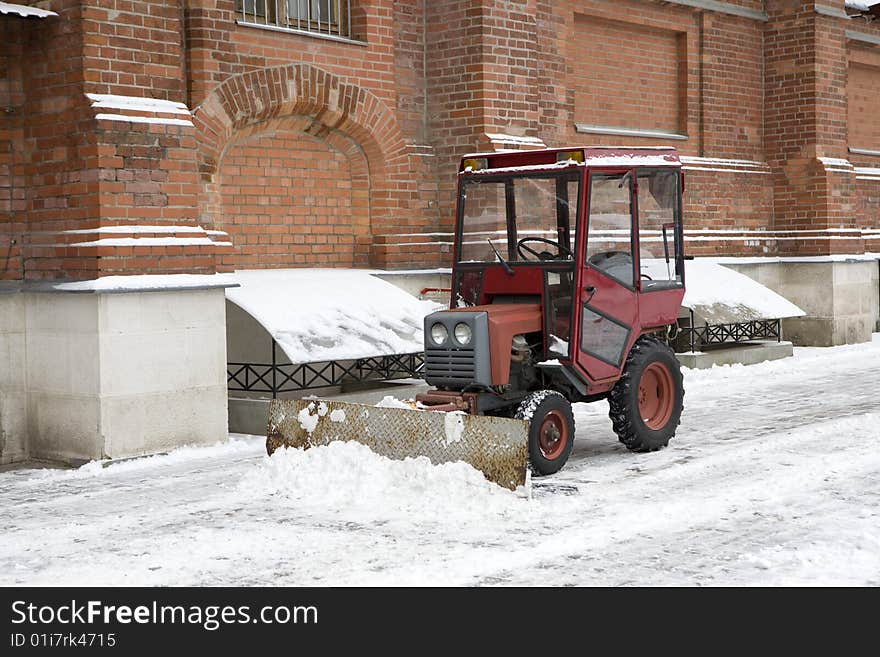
(773, 478)
(332, 314)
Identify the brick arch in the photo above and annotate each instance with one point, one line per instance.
(334, 108)
(330, 228)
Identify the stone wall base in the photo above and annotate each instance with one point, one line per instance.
(841, 297)
(110, 375)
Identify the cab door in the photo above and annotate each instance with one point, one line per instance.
(608, 300)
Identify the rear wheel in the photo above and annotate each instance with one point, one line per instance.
(551, 430)
(646, 403)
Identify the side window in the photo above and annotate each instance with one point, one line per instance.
(609, 240)
(658, 229)
(573, 188)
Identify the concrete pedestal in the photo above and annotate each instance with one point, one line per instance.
(841, 297)
(111, 375)
(13, 389)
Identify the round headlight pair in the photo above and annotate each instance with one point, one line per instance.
(462, 332)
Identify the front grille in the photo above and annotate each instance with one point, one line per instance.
(449, 365)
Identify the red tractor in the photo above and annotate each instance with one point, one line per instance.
(568, 271)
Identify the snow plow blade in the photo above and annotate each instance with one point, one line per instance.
(496, 446)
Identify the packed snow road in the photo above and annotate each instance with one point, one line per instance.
(773, 478)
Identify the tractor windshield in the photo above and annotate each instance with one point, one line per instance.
(529, 217)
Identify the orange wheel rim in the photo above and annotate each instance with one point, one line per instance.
(656, 394)
(552, 435)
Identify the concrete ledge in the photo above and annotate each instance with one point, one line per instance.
(123, 284)
(748, 353)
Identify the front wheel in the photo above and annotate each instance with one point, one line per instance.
(551, 430)
(645, 404)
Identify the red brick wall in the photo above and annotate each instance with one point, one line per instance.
(706, 81)
(717, 204)
(454, 83)
(732, 73)
(241, 76)
(863, 91)
(59, 150)
(287, 202)
(509, 67)
(628, 75)
(868, 195)
(133, 48)
(132, 169)
(806, 127)
(506, 67)
(864, 133)
(656, 84)
(423, 83)
(410, 59)
(13, 203)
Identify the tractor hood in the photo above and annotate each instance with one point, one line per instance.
(485, 358)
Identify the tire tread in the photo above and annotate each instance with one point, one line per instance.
(629, 430)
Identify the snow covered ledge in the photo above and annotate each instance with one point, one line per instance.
(112, 368)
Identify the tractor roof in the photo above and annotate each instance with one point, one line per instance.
(553, 158)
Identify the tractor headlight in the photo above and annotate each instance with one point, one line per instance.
(439, 333)
(463, 334)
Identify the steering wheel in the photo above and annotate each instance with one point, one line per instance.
(562, 251)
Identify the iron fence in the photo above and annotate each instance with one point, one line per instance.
(276, 378)
(328, 17)
(694, 337)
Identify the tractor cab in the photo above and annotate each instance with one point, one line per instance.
(589, 239)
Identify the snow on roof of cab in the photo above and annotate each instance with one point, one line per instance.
(657, 156)
(24, 11)
(594, 156)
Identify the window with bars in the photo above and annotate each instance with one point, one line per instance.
(330, 17)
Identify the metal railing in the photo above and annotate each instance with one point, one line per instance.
(276, 378)
(694, 337)
(327, 17)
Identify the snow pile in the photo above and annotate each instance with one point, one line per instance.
(350, 479)
(861, 5)
(321, 314)
(390, 401)
(721, 295)
(24, 11)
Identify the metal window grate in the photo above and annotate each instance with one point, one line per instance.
(327, 17)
